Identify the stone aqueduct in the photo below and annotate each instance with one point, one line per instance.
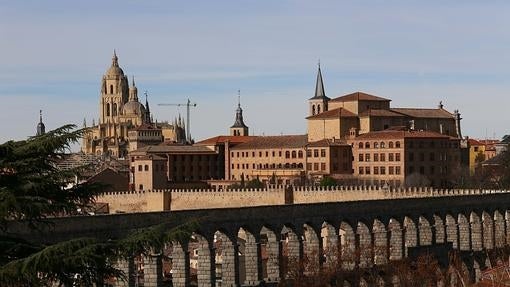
(386, 227)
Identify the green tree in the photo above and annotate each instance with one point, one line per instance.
(328, 181)
(33, 189)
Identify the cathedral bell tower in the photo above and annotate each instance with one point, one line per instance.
(114, 93)
(239, 128)
(319, 102)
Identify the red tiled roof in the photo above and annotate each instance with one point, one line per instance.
(332, 114)
(222, 139)
(326, 142)
(380, 113)
(423, 113)
(390, 134)
(474, 142)
(359, 96)
(287, 141)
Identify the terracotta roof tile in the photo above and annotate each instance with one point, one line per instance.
(333, 114)
(263, 142)
(380, 113)
(359, 96)
(327, 142)
(222, 139)
(423, 113)
(392, 134)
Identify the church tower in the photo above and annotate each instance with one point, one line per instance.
(41, 129)
(239, 128)
(319, 102)
(114, 93)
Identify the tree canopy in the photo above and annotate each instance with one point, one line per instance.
(32, 190)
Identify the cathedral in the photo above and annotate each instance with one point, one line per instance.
(124, 123)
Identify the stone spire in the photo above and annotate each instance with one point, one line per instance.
(133, 91)
(457, 117)
(147, 110)
(115, 59)
(41, 129)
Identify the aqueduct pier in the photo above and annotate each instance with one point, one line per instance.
(387, 229)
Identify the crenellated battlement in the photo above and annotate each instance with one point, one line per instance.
(189, 199)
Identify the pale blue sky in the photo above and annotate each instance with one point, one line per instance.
(54, 53)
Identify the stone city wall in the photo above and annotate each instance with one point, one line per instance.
(177, 199)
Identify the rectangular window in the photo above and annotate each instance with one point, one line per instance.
(360, 157)
(260, 154)
(232, 166)
(309, 166)
(397, 157)
(432, 169)
(360, 170)
(390, 156)
(367, 170)
(280, 153)
(267, 153)
(315, 153)
(382, 157)
(391, 170)
(140, 168)
(367, 157)
(376, 157)
(316, 166)
(323, 152)
(376, 170)
(232, 154)
(309, 153)
(432, 156)
(273, 154)
(252, 154)
(383, 170)
(323, 166)
(397, 170)
(237, 155)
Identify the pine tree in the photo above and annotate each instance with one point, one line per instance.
(33, 189)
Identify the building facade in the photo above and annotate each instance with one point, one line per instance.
(405, 158)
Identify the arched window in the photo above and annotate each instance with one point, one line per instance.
(279, 165)
(146, 168)
(294, 165)
(114, 109)
(293, 154)
(397, 144)
(360, 145)
(287, 165)
(318, 109)
(376, 145)
(300, 165)
(390, 145)
(300, 154)
(287, 154)
(107, 109)
(313, 110)
(111, 89)
(382, 145)
(273, 165)
(367, 145)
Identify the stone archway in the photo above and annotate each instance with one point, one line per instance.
(365, 248)
(425, 232)
(347, 246)
(395, 239)
(270, 246)
(380, 243)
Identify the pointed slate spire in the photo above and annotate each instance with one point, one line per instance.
(319, 85)
(239, 122)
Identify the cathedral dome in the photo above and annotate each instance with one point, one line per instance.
(133, 108)
(115, 70)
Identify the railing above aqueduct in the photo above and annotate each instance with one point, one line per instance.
(181, 199)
